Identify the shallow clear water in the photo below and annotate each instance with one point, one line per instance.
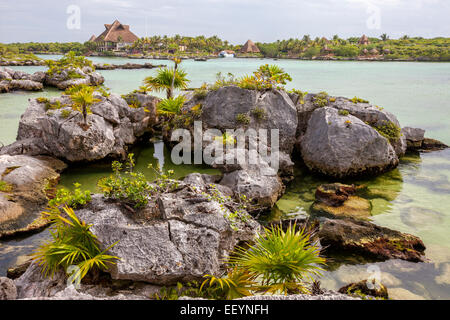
(414, 198)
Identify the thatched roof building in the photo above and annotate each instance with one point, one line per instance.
(115, 36)
(364, 40)
(250, 47)
(92, 38)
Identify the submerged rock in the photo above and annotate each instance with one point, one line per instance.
(338, 200)
(364, 287)
(342, 146)
(26, 179)
(368, 239)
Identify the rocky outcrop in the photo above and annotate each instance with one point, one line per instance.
(113, 126)
(73, 76)
(185, 235)
(22, 62)
(11, 80)
(342, 146)
(105, 66)
(25, 196)
(370, 240)
(416, 141)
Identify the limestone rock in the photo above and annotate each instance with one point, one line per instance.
(342, 146)
(8, 290)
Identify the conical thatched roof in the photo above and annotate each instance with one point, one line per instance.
(250, 47)
(117, 32)
(364, 40)
(92, 38)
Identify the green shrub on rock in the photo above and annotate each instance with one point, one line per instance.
(243, 118)
(73, 199)
(125, 185)
(389, 130)
(321, 99)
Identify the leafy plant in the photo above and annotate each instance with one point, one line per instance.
(301, 95)
(389, 130)
(243, 118)
(69, 61)
(125, 185)
(72, 243)
(282, 260)
(358, 100)
(165, 81)
(238, 283)
(259, 113)
(266, 77)
(5, 187)
(75, 199)
(343, 112)
(82, 99)
(321, 99)
(170, 106)
(226, 139)
(66, 113)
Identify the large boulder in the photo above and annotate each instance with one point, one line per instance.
(342, 145)
(247, 173)
(25, 196)
(186, 236)
(112, 126)
(372, 115)
(228, 107)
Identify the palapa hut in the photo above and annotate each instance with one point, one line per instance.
(364, 40)
(116, 36)
(250, 47)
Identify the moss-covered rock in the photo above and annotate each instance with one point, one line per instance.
(366, 288)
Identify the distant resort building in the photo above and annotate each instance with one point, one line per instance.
(250, 47)
(364, 40)
(227, 54)
(115, 37)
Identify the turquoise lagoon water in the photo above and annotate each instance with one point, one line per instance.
(413, 198)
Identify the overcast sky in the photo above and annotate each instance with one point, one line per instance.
(232, 20)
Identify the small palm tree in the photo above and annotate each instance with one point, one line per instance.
(384, 37)
(82, 99)
(284, 261)
(171, 106)
(165, 80)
